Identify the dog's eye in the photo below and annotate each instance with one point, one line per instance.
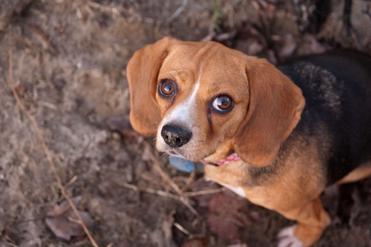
(167, 88)
(222, 104)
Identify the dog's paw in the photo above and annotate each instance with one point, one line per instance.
(286, 238)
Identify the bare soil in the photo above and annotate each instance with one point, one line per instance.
(65, 61)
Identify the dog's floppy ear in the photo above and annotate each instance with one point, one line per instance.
(142, 72)
(274, 110)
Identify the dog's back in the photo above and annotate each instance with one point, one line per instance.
(337, 89)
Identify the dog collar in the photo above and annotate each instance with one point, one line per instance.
(189, 166)
(183, 164)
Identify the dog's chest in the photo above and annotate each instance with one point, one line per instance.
(238, 190)
(236, 179)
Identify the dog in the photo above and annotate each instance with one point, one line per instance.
(274, 135)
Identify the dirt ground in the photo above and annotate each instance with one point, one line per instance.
(64, 60)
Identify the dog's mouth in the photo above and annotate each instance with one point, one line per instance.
(232, 157)
(175, 153)
(225, 161)
(181, 163)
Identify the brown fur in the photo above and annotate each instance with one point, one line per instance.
(274, 110)
(142, 72)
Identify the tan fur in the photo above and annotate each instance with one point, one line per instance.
(223, 151)
(142, 72)
(275, 109)
(360, 173)
(292, 189)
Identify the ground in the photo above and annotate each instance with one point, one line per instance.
(64, 129)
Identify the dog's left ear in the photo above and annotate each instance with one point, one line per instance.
(142, 72)
(274, 110)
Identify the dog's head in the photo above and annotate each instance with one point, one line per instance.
(204, 101)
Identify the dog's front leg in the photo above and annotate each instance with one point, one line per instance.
(311, 219)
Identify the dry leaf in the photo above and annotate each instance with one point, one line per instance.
(226, 216)
(287, 45)
(196, 242)
(62, 221)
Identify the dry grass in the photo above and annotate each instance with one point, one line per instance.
(48, 154)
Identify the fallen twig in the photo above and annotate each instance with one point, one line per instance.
(149, 178)
(48, 154)
(204, 192)
(182, 229)
(150, 191)
(167, 179)
(170, 195)
(179, 10)
(189, 181)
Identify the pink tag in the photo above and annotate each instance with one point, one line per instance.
(228, 159)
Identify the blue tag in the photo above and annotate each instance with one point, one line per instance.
(182, 164)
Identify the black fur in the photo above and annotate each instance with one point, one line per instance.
(337, 90)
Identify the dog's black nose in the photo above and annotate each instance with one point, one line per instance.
(175, 136)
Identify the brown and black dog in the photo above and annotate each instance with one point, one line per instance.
(275, 135)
